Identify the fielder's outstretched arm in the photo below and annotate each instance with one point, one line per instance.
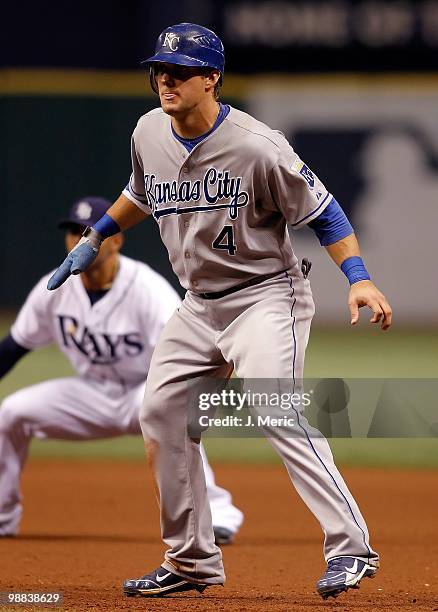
(122, 215)
(346, 254)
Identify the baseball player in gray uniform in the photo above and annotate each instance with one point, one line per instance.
(223, 187)
(106, 322)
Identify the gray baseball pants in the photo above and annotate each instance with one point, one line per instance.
(261, 332)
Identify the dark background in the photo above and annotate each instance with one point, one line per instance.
(259, 36)
(57, 147)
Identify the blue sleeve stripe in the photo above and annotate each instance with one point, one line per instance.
(331, 225)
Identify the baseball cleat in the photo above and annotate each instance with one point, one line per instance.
(223, 536)
(158, 583)
(344, 573)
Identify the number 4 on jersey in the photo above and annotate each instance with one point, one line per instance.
(225, 240)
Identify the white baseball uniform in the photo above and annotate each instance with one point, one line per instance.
(109, 345)
(222, 211)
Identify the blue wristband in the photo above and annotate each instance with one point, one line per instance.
(354, 269)
(106, 226)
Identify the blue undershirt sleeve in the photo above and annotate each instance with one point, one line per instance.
(331, 225)
(10, 353)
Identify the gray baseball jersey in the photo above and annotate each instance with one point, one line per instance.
(223, 212)
(244, 182)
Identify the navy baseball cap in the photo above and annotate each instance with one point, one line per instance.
(86, 211)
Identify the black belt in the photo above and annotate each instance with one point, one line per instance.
(249, 283)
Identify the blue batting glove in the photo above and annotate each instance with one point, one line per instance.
(79, 258)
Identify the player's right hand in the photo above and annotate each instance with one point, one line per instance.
(365, 293)
(78, 260)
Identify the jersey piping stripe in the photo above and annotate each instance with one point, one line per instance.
(137, 202)
(189, 209)
(308, 437)
(139, 196)
(313, 211)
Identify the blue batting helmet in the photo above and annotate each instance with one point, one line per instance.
(189, 44)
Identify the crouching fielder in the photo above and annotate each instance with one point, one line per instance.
(107, 322)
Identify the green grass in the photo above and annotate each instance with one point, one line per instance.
(394, 453)
(346, 353)
(366, 352)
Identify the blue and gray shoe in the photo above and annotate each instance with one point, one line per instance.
(158, 583)
(345, 573)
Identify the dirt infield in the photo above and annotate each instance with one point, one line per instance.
(89, 525)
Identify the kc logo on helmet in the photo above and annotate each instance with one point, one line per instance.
(171, 40)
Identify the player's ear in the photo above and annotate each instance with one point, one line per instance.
(211, 79)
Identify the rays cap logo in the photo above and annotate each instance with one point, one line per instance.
(171, 41)
(83, 210)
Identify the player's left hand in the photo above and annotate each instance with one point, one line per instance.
(78, 260)
(365, 293)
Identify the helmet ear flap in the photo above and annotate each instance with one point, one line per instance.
(152, 79)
